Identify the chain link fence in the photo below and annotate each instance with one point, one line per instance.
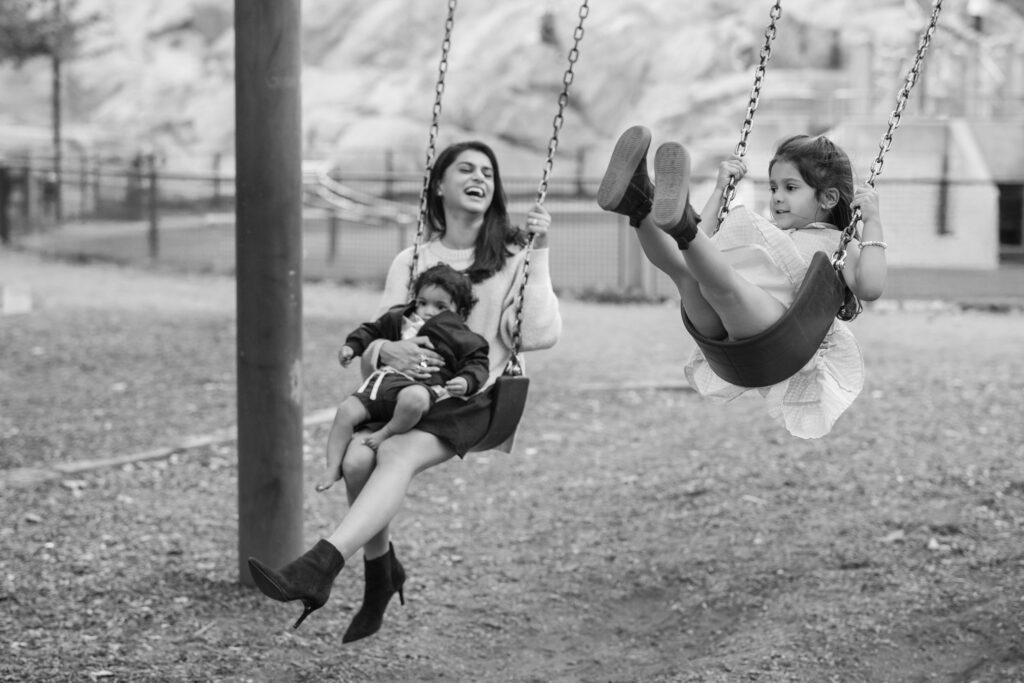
(137, 211)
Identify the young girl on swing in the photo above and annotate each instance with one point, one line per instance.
(735, 280)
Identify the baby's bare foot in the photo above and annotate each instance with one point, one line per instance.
(331, 475)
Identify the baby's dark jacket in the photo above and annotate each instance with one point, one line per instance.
(464, 351)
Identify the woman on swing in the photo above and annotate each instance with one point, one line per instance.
(737, 279)
(469, 229)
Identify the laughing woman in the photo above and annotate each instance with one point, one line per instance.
(470, 230)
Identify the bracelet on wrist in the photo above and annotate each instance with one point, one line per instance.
(874, 243)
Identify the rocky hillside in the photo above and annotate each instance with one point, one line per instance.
(159, 74)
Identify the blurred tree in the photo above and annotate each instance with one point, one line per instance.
(44, 28)
(24, 30)
(548, 34)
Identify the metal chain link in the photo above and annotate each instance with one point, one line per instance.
(442, 71)
(851, 306)
(514, 366)
(894, 120)
(755, 95)
(563, 102)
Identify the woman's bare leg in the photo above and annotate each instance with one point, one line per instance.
(358, 465)
(398, 460)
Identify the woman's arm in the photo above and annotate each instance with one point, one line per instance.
(542, 323)
(866, 269)
(415, 357)
(396, 284)
(542, 320)
(538, 220)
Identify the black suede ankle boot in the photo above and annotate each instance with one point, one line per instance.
(384, 577)
(671, 210)
(626, 188)
(308, 578)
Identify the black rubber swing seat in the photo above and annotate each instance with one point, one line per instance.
(779, 352)
(507, 408)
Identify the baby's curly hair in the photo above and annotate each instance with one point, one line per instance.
(456, 284)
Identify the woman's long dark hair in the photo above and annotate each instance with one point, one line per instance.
(822, 165)
(497, 232)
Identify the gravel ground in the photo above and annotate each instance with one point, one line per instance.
(637, 534)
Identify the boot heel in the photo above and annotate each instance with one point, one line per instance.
(401, 595)
(308, 608)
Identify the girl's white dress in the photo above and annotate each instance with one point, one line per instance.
(809, 402)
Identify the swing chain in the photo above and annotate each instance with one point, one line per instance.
(755, 95)
(563, 102)
(442, 71)
(514, 366)
(894, 121)
(852, 307)
(904, 93)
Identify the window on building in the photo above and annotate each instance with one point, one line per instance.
(1011, 221)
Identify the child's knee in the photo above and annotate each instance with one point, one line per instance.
(352, 410)
(415, 398)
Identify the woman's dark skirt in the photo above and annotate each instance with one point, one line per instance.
(459, 423)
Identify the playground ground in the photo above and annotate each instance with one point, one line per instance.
(637, 534)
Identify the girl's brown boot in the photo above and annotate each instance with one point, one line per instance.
(626, 188)
(671, 210)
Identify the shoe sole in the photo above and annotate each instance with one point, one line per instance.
(671, 185)
(266, 583)
(629, 151)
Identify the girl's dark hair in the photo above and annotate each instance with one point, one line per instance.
(822, 165)
(491, 249)
(451, 281)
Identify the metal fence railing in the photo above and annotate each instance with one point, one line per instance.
(140, 213)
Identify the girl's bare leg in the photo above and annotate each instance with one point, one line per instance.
(626, 189)
(662, 251)
(744, 308)
(411, 405)
(380, 496)
(718, 300)
(350, 413)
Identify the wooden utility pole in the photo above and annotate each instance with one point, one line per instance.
(268, 255)
(58, 172)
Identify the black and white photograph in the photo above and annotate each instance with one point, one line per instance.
(526, 341)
